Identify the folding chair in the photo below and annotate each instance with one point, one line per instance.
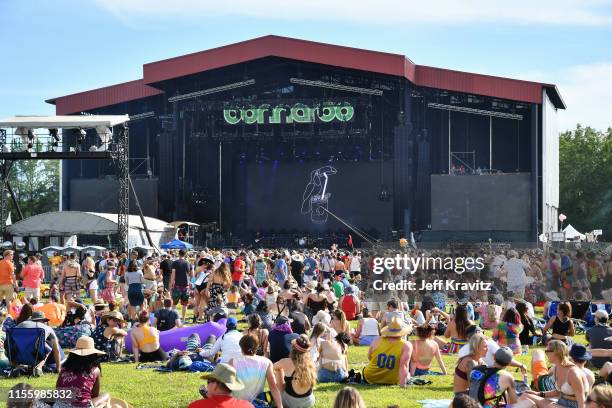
(26, 348)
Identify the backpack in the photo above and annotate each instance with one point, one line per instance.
(478, 379)
(102, 280)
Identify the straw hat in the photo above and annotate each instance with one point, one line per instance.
(297, 258)
(397, 328)
(85, 346)
(112, 315)
(312, 285)
(225, 374)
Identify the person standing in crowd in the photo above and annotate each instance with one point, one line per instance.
(516, 270)
(204, 268)
(327, 266)
(7, 277)
(350, 304)
(70, 279)
(355, 264)
(261, 270)
(297, 269)
(389, 356)
(166, 270)
(32, 275)
(88, 266)
(135, 279)
(239, 269)
(597, 335)
(310, 268)
(179, 282)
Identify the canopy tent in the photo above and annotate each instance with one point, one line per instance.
(65, 223)
(64, 122)
(572, 233)
(176, 244)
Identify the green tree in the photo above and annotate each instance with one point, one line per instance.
(36, 187)
(585, 179)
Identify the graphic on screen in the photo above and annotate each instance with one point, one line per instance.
(315, 198)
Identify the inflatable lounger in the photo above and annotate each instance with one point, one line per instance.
(177, 338)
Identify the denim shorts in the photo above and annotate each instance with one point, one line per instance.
(327, 376)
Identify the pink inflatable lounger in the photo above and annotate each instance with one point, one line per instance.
(177, 338)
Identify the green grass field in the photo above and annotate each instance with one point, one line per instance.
(147, 388)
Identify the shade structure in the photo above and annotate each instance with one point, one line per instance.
(177, 244)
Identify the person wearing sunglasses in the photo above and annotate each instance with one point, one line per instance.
(570, 385)
(218, 394)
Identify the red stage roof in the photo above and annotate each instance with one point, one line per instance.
(309, 51)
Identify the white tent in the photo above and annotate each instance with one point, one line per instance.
(66, 223)
(572, 233)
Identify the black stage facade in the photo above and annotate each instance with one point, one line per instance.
(277, 137)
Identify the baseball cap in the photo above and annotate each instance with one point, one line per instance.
(231, 323)
(504, 356)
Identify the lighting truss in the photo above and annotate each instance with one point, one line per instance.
(143, 115)
(209, 91)
(337, 87)
(475, 111)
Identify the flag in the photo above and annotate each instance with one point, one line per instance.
(350, 240)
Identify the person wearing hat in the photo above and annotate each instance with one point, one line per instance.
(389, 356)
(218, 393)
(81, 372)
(491, 385)
(108, 335)
(310, 268)
(596, 336)
(38, 321)
(228, 344)
(350, 304)
(297, 268)
(581, 356)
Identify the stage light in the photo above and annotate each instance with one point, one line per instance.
(27, 137)
(338, 87)
(106, 137)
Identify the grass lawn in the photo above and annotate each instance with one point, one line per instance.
(147, 388)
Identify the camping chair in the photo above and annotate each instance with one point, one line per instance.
(26, 348)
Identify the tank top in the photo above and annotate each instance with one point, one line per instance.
(383, 367)
(559, 327)
(349, 307)
(370, 327)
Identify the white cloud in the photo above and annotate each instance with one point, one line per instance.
(580, 12)
(586, 90)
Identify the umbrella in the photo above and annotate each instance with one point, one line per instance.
(177, 244)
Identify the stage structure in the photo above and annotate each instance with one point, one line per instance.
(67, 138)
(277, 139)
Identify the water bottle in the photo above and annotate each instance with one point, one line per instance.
(535, 341)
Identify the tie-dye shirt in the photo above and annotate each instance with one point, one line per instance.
(251, 370)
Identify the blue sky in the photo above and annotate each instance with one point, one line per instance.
(54, 48)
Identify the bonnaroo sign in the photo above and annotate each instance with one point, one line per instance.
(298, 113)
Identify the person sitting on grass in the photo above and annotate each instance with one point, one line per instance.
(367, 330)
(349, 397)
(569, 383)
(561, 324)
(108, 335)
(218, 394)
(38, 320)
(581, 356)
(254, 371)
(297, 375)
(389, 356)
(81, 371)
(260, 333)
(280, 338)
(167, 318)
(456, 329)
(333, 361)
(228, 344)
(477, 345)
(491, 385)
(145, 341)
(508, 330)
(425, 349)
(600, 397)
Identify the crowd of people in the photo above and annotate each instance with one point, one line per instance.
(296, 309)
